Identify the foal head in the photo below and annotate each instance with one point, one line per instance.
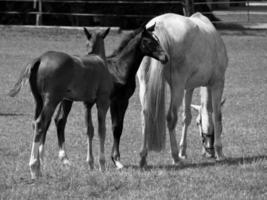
(206, 129)
(95, 41)
(150, 45)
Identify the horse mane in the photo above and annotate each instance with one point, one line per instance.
(125, 41)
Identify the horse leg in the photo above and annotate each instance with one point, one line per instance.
(40, 127)
(206, 126)
(60, 122)
(102, 108)
(90, 135)
(187, 117)
(176, 100)
(216, 92)
(117, 110)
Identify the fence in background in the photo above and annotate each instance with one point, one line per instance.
(93, 12)
(235, 11)
(78, 12)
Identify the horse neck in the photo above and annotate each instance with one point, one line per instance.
(124, 66)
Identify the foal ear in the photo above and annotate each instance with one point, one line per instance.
(88, 35)
(151, 28)
(196, 107)
(105, 33)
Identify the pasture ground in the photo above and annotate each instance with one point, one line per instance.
(242, 176)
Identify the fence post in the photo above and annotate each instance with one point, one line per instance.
(189, 7)
(39, 14)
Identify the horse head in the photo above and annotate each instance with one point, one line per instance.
(150, 45)
(206, 129)
(95, 41)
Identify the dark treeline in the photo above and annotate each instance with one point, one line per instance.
(26, 17)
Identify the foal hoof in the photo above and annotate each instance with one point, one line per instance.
(143, 163)
(91, 164)
(208, 155)
(117, 163)
(35, 169)
(35, 175)
(182, 156)
(102, 165)
(66, 162)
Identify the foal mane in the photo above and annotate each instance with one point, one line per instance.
(125, 41)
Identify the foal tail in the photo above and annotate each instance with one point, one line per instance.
(155, 130)
(24, 76)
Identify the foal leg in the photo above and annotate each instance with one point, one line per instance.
(176, 100)
(90, 134)
(187, 117)
(102, 108)
(117, 110)
(35, 159)
(60, 121)
(40, 127)
(216, 92)
(42, 142)
(144, 150)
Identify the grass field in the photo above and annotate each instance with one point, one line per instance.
(242, 176)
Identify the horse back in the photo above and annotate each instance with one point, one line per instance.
(197, 52)
(75, 78)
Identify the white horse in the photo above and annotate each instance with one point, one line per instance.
(197, 58)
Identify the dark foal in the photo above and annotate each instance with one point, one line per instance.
(55, 76)
(122, 65)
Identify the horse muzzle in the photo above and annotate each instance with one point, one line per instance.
(164, 58)
(208, 144)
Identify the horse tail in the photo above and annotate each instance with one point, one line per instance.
(155, 130)
(24, 76)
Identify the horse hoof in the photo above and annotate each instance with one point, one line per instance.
(219, 154)
(175, 158)
(220, 157)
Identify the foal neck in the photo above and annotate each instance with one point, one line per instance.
(99, 49)
(125, 64)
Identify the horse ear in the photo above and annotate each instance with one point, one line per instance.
(88, 35)
(196, 107)
(151, 28)
(105, 33)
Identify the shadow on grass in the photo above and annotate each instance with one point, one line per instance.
(207, 163)
(12, 114)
